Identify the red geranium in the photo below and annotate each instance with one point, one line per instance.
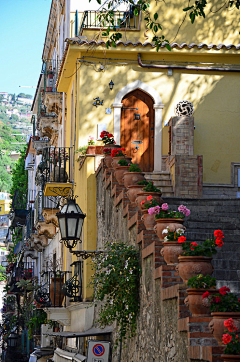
(217, 300)
(192, 245)
(206, 294)
(219, 242)
(182, 239)
(218, 234)
(230, 325)
(224, 290)
(149, 197)
(226, 338)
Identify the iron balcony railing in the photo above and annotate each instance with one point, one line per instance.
(92, 19)
(24, 270)
(30, 228)
(57, 164)
(50, 294)
(50, 69)
(44, 202)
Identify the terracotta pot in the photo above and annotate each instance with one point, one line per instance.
(171, 251)
(108, 160)
(149, 220)
(196, 303)
(112, 146)
(217, 327)
(191, 266)
(230, 358)
(172, 224)
(132, 192)
(116, 159)
(119, 173)
(132, 178)
(94, 150)
(56, 291)
(142, 196)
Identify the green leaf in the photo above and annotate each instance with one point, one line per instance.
(155, 16)
(168, 47)
(188, 8)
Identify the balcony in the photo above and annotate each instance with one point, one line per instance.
(55, 172)
(19, 210)
(123, 20)
(24, 270)
(39, 143)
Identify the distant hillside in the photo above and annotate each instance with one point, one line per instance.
(15, 126)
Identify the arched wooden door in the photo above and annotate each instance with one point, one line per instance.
(137, 124)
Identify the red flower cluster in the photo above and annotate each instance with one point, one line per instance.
(182, 239)
(217, 300)
(192, 245)
(224, 290)
(206, 294)
(107, 151)
(226, 338)
(229, 324)
(118, 152)
(107, 138)
(218, 234)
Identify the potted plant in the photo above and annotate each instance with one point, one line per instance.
(92, 148)
(148, 190)
(169, 218)
(196, 299)
(171, 247)
(133, 190)
(196, 259)
(118, 154)
(108, 140)
(107, 157)
(123, 166)
(223, 305)
(148, 217)
(81, 151)
(133, 176)
(231, 339)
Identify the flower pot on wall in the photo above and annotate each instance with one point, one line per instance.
(132, 192)
(56, 293)
(191, 266)
(172, 224)
(149, 220)
(217, 327)
(132, 178)
(195, 302)
(108, 160)
(171, 251)
(230, 358)
(119, 173)
(142, 196)
(116, 159)
(94, 150)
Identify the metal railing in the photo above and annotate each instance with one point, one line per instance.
(50, 69)
(91, 19)
(57, 164)
(24, 270)
(30, 229)
(51, 294)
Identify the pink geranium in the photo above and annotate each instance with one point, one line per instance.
(165, 207)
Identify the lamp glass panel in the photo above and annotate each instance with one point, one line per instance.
(72, 224)
(62, 227)
(80, 225)
(71, 208)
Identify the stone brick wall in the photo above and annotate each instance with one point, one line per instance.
(166, 332)
(182, 135)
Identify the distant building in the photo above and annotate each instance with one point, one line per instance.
(24, 100)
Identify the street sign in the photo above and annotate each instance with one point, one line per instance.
(98, 351)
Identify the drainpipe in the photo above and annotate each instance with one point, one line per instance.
(185, 67)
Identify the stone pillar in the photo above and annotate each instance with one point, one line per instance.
(182, 135)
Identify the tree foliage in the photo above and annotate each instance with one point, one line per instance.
(153, 20)
(19, 175)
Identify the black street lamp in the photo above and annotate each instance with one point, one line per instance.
(70, 220)
(111, 84)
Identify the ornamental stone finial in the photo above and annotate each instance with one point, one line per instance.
(184, 108)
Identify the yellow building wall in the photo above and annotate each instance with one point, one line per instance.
(216, 114)
(5, 207)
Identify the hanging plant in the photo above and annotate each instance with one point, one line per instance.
(116, 283)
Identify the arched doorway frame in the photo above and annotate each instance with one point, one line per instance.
(158, 106)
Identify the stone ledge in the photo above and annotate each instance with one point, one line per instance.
(206, 353)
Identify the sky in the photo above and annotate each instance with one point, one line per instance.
(23, 25)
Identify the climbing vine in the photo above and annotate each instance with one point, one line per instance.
(116, 283)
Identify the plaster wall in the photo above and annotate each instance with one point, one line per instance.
(213, 95)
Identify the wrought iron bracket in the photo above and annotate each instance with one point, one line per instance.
(87, 254)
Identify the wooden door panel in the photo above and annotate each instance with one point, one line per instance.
(138, 104)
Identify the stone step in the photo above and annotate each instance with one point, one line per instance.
(162, 183)
(156, 176)
(167, 194)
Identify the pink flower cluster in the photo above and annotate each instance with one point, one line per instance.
(165, 207)
(184, 210)
(154, 210)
